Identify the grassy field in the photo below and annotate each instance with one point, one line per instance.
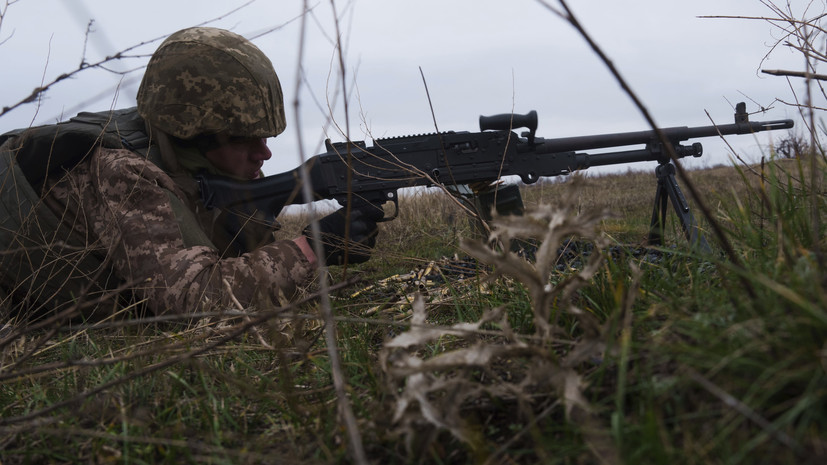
(594, 350)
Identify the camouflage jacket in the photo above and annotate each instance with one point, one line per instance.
(130, 213)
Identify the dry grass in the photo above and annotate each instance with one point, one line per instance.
(609, 356)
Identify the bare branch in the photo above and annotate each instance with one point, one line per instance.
(3, 10)
(801, 74)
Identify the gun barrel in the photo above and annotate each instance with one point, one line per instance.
(673, 134)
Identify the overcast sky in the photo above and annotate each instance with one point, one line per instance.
(477, 56)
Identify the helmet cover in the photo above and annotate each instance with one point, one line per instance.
(205, 80)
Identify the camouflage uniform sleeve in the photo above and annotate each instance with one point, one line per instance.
(145, 242)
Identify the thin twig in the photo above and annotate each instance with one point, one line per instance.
(246, 318)
(354, 438)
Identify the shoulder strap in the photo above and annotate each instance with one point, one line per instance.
(44, 150)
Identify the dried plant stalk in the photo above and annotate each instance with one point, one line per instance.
(430, 390)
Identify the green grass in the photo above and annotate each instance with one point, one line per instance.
(680, 359)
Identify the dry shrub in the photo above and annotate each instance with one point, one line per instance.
(431, 388)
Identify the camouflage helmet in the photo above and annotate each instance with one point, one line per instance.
(205, 80)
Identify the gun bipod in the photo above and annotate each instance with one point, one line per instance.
(668, 190)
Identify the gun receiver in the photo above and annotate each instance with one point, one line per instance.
(351, 171)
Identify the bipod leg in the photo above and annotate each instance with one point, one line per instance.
(668, 187)
(658, 215)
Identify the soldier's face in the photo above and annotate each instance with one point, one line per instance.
(239, 156)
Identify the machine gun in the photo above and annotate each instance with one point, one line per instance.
(351, 171)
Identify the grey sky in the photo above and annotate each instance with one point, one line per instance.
(478, 57)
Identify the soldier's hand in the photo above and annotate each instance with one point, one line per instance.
(362, 234)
